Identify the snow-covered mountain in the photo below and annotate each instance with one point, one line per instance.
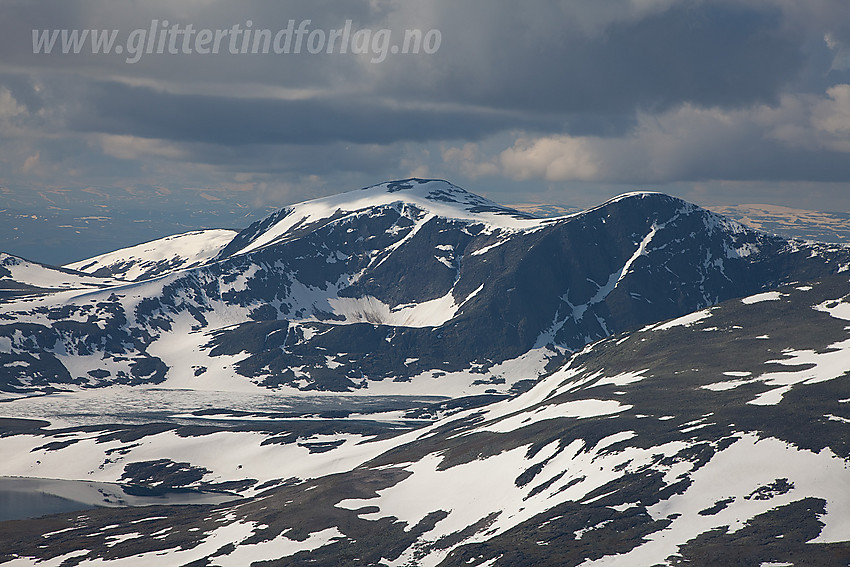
(20, 277)
(716, 438)
(158, 257)
(408, 287)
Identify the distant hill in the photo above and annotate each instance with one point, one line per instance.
(791, 223)
(158, 257)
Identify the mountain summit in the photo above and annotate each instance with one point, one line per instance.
(432, 197)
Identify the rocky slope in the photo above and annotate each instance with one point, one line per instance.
(717, 438)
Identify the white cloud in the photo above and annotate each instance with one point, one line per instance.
(132, 147)
(554, 158)
(31, 163)
(9, 107)
(832, 118)
(687, 143)
(468, 160)
(841, 60)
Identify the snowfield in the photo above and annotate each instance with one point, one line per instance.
(158, 257)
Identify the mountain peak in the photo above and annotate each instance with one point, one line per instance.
(433, 197)
(443, 194)
(438, 190)
(653, 199)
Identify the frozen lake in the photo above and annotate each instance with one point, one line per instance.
(35, 497)
(145, 405)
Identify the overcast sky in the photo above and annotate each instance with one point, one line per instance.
(720, 102)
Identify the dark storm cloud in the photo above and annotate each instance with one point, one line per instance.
(756, 160)
(711, 54)
(114, 108)
(771, 162)
(501, 65)
(531, 60)
(371, 159)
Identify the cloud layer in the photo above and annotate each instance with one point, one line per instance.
(620, 93)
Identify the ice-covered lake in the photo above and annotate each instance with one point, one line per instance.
(35, 497)
(145, 405)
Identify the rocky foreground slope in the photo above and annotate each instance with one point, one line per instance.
(718, 438)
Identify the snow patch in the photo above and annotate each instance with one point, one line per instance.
(580, 409)
(759, 297)
(836, 309)
(684, 321)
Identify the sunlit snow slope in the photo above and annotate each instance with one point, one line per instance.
(20, 277)
(157, 257)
